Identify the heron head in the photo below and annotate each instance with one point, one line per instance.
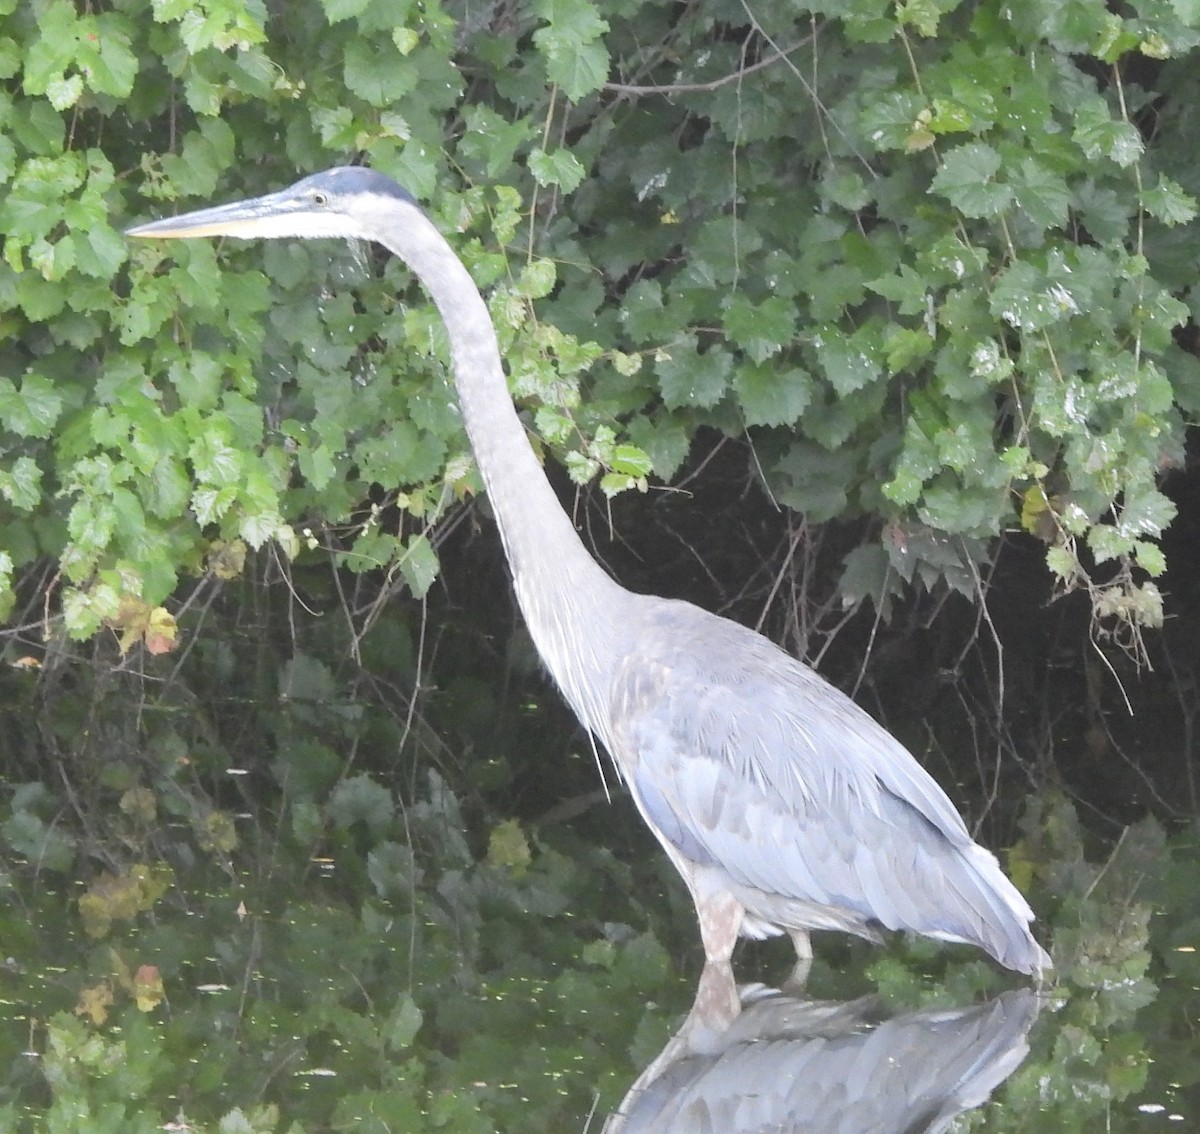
(345, 202)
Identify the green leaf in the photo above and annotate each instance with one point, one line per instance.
(21, 484)
(8, 596)
(908, 289)
(197, 380)
(923, 15)
(399, 454)
(259, 526)
(951, 117)
(579, 68)
(760, 329)
(105, 57)
(989, 365)
(1024, 298)
(1107, 543)
(84, 612)
(664, 439)
(44, 847)
(948, 260)
(580, 467)
(630, 461)
(903, 347)
(690, 378)
(561, 168)
(1146, 513)
(847, 189)
(576, 57)
(359, 799)
(849, 362)
(537, 279)
(379, 77)
(771, 395)
(813, 480)
(918, 462)
(419, 564)
(492, 140)
(1098, 134)
(338, 10)
(1062, 563)
(888, 119)
(1169, 203)
(210, 504)
(8, 156)
(865, 572)
(216, 462)
(52, 51)
(223, 25)
(402, 1024)
(1042, 194)
(31, 411)
(945, 506)
(643, 313)
(201, 94)
(64, 92)
(33, 207)
(100, 251)
(967, 180)
(204, 157)
(168, 489)
(1150, 557)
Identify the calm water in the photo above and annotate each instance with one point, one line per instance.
(386, 989)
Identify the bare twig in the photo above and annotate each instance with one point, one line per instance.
(712, 84)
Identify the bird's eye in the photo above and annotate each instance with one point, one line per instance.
(320, 199)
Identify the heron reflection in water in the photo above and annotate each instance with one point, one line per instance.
(798, 1066)
(784, 806)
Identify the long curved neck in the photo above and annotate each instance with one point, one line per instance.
(571, 606)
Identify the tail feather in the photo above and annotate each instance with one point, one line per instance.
(1002, 914)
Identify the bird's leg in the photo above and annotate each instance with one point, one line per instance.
(717, 1003)
(804, 957)
(720, 922)
(720, 916)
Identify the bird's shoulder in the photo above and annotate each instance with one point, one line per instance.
(680, 657)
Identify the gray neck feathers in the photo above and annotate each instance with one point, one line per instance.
(572, 608)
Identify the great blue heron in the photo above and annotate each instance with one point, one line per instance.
(785, 807)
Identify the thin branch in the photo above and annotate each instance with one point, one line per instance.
(714, 84)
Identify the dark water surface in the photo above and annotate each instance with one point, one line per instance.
(390, 989)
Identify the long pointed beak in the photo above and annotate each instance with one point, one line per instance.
(272, 215)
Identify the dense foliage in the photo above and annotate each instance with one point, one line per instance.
(936, 259)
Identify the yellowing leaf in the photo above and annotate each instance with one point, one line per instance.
(1034, 507)
(227, 560)
(216, 832)
(161, 632)
(139, 803)
(131, 619)
(121, 897)
(148, 988)
(94, 1002)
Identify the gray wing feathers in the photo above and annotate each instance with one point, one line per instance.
(666, 819)
(762, 768)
